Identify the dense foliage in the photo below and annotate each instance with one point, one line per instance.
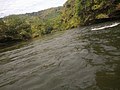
(84, 12)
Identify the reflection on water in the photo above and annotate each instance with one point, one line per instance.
(105, 46)
(79, 59)
(109, 79)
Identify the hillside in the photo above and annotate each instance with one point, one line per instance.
(74, 13)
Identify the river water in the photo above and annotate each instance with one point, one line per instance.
(78, 59)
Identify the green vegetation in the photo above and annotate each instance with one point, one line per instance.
(85, 12)
(74, 13)
(24, 27)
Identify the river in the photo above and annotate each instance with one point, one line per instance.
(77, 59)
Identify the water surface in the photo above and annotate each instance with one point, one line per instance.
(79, 59)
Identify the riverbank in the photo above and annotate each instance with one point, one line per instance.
(17, 44)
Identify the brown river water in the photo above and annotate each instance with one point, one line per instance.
(77, 59)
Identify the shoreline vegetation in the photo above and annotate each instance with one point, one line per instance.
(74, 13)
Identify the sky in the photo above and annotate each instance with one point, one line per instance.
(8, 7)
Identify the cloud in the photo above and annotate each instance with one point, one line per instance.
(8, 7)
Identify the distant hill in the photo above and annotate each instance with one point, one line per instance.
(47, 13)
